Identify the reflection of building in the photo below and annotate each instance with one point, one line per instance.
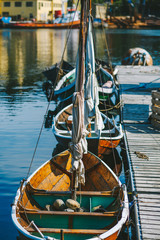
(41, 10)
(0, 8)
(25, 54)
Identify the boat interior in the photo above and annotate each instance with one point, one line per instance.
(103, 77)
(100, 199)
(68, 79)
(64, 125)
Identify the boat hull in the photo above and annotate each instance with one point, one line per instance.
(69, 237)
(53, 180)
(109, 96)
(109, 138)
(95, 145)
(75, 24)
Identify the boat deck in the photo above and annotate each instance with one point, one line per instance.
(143, 145)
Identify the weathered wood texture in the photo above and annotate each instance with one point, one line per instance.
(143, 139)
(155, 120)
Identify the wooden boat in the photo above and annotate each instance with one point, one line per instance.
(137, 56)
(53, 74)
(61, 68)
(62, 25)
(75, 194)
(64, 89)
(35, 217)
(103, 134)
(61, 21)
(110, 136)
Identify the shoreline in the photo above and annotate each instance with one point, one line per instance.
(114, 23)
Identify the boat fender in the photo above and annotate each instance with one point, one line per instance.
(70, 203)
(59, 204)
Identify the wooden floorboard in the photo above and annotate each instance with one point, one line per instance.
(136, 86)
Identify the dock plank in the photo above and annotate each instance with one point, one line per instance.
(136, 85)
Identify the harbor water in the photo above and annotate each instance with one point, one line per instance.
(24, 54)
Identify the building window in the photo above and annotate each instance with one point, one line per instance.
(19, 17)
(5, 14)
(7, 4)
(18, 4)
(29, 4)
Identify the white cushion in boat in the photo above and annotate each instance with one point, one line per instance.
(70, 118)
(108, 84)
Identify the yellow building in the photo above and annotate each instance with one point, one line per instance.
(0, 8)
(41, 10)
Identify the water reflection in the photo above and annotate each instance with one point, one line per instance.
(24, 54)
(119, 41)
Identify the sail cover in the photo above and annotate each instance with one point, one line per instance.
(91, 86)
(78, 146)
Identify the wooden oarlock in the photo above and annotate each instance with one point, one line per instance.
(62, 234)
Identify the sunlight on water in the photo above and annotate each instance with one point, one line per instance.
(24, 54)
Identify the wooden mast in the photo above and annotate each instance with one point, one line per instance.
(82, 40)
(81, 72)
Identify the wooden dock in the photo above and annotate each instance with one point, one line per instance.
(142, 145)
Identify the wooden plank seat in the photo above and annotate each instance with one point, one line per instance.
(70, 222)
(69, 231)
(36, 191)
(63, 213)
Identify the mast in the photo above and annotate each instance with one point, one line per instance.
(86, 87)
(78, 145)
(82, 40)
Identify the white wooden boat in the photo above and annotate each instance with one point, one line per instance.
(109, 138)
(35, 217)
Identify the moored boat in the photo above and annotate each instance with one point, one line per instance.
(75, 194)
(64, 88)
(101, 213)
(137, 56)
(61, 68)
(109, 138)
(70, 20)
(63, 25)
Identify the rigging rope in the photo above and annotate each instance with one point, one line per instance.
(105, 105)
(107, 47)
(57, 78)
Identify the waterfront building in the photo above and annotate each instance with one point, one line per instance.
(99, 10)
(0, 9)
(40, 10)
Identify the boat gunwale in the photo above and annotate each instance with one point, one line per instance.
(58, 132)
(58, 88)
(117, 227)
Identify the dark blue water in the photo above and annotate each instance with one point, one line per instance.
(23, 56)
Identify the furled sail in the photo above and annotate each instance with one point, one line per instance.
(91, 86)
(78, 145)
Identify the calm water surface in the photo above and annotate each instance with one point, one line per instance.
(24, 54)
